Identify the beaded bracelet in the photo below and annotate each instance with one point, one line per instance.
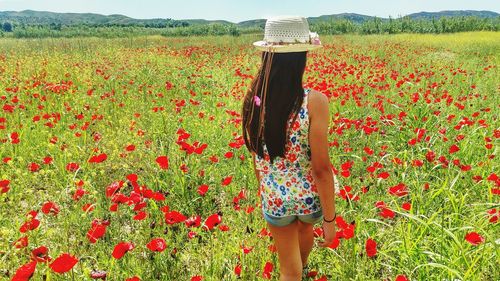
(331, 219)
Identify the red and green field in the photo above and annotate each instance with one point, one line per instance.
(124, 158)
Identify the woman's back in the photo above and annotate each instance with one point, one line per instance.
(287, 186)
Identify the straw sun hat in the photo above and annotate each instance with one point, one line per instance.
(285, 34)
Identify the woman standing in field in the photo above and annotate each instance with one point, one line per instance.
(285, 128)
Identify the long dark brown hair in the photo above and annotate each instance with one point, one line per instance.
(278, 85)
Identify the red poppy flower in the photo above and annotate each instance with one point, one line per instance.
(157, 244)
(25, 272)
(430, 156)
(47, 160)
(63, 263)
(199, 149)
(140, 216)
(335, 243)
(163, 162)
(132, 177)
(173, 217)
(113, 207)
(40, 254)
(14, 135)
(21, 242)
(98, 158)
(184, 168)
(237, 269)
(34, 167)
(223, 227)
(453, 148)
(4, 186)
(193, 221)
(494, 215)
(227, 180)
(345, 173)
(79, 192)
(398, 190)
(191, 234)
(50, 207)
(347, 165)
(417, 163)
(368, 150)
(197, 278)
(268, 269)
(406, 206)
(88, 207)
(31, 223)
(135, 278)
(72, 167)
(97, 231)
(113, 189)
(158, 196)
(401, 278)
(246, 249)
(383, 175)
(347, 232)
(212, 221)
(371, 247)
(474, 238)
(214, 159)
(122, 248)
(202, 189)
(387, 213)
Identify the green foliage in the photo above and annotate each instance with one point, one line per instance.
(7, 26)
(331, 26)
(335, 27)
(211, 29)
(408, 25)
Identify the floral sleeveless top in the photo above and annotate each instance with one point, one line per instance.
(287, 186)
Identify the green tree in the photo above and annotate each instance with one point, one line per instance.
(7, 26)
(55, 26)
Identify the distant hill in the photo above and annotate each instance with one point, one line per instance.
(31, 17)
(358, 18)
(250, 23)
(202, 21)
(348, 16)
(430, 15)
(44, 18)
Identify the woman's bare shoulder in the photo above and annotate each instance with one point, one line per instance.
(317, 101)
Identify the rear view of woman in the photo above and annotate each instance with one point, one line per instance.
(285, 128)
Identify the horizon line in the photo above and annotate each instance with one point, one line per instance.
(399, 15)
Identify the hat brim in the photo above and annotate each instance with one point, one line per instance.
(286, 48)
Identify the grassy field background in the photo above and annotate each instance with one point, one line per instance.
(414, 142)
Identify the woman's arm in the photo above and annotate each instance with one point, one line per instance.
(318, 140)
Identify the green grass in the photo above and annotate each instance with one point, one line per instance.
(128, 79)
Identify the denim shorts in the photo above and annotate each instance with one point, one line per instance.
(311, 218)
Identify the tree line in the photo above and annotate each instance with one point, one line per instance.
(408, 25)
(180, 28)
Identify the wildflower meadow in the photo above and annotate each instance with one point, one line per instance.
(122, 158)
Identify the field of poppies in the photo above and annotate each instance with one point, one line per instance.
(122, 159)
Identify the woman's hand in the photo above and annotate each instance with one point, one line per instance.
(329, 232)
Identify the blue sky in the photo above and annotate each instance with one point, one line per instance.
(238, 10)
